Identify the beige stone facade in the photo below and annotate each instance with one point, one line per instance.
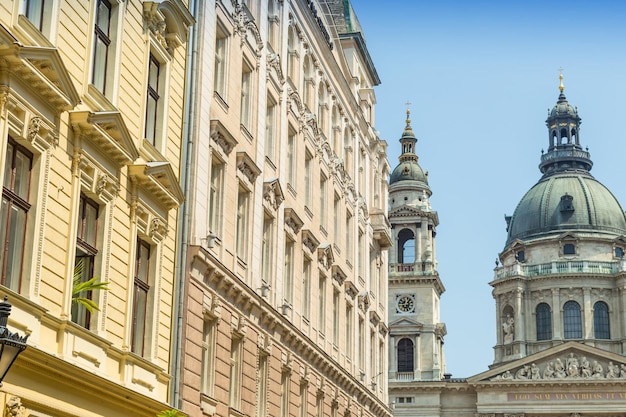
(91, 110)
(287, 232)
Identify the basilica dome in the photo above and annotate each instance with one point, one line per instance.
(566, 202)
(408, 168)
(567, 197)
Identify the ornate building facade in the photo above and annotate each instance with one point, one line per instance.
(558, 289)
(91, 104)
(286, 229)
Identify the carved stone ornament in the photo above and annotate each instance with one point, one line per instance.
(273, 61)
(158, 228)
(571, 367)
(33, 128)
(243, 24)
(292, 220)
(14, 407)
(272, 193)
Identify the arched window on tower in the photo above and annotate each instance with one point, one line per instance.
(564, 137)
(406, 247)
(544, 321)
(572, 323)
(405, 355)
(601, 324)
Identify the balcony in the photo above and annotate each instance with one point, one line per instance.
(381, 227)
(560, 267)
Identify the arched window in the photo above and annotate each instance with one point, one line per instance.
(307, 82)
(292, 56)
(544, 321)
(405, 355)
(601, 324)
(321, 107)
(572, 323)
(406, 247)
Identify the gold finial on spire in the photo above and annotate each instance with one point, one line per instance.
(561, 87)
(408, 113)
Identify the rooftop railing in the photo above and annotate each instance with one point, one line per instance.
(560, 267)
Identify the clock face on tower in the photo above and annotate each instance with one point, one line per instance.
(405, 303)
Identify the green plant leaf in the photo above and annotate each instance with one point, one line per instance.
(169, 413)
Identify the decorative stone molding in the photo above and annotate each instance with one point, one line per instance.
(33, 128)
(351, 289)
(264, 343)
(273, 193)
(168, 22)
(364, 301)
(247, 167)
(571, 367)
(309, 241)
(292, 220)
(14, 407)
(158, 229)
(222, 137)
(325, 256)
(243, 24)
(273, 61)
(339, 275)
(212, 307)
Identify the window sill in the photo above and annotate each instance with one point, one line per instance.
(208, 405)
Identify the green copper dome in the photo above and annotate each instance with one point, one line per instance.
(567, 197)
(566, 202)
(408, 169)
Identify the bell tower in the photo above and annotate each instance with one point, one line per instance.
(416, 332)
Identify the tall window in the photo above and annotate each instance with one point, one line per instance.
(323, 201)
(285, 382)
(140, 296)
(304, 398)
(243, 198)
(544, 321)
(152, 104)
(219, 76)
(234, 391)
(291, 158)
(14, 213)
(406, 243)
(292, 56)
(267, 251)
(321, 107)
(215, 196)
(207, 373)
(405, 355)
(362, 344)
(306, 288)
(246, 96)
(102, 44)
(271, 130)
(263, 384)
(572, 322)
(336, 309)
(349, 237)
(86, 251)
(601, 324)
(34, 11)
(307, 94)
(288, 271)
(336, 218)
(308, 179)
(321, 305)
(349, 331)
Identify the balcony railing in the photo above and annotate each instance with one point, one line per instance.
(418, 268)
(404, 376)
(561, 267)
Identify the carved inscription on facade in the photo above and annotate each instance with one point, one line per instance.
(567, 396)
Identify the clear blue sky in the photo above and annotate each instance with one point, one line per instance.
(480, 76)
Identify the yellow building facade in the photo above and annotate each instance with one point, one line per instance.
(91, 111)
(287, 232)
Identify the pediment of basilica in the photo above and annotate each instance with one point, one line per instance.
(570, 362)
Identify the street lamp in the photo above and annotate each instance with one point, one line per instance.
(11, 344)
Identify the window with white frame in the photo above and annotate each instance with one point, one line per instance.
(336, 219)
(304, 398)
(14, 213)
(141, 290)
(291, 157)
(267, 250)
(104, 49)
(271, 129)
(35, 11)
(221, 55)
(85, 259)
(336, 310)
(288, 270)
(242, 224)
(246, 95)
(236, 364)
(263, 384)
(207, 373)
(292, 55)
(323, 201)
(321, 304)
(306, 288)
(152, 99)
(285, 382)
(216, 192)
(273, 26)
(349, 331)
(308, 179)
